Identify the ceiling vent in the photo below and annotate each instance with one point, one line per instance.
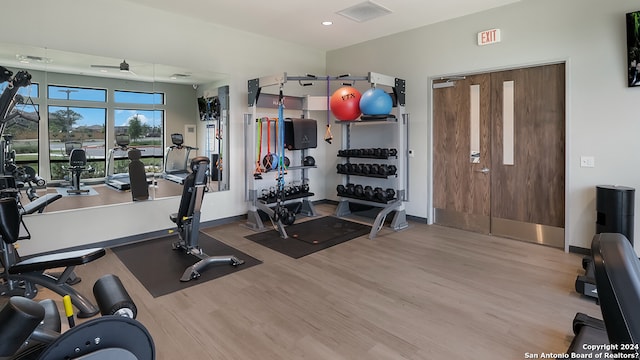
(365, 11)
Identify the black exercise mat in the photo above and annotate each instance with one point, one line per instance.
(310, 236)
(159, 268)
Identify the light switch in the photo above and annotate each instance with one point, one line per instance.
(587, 161)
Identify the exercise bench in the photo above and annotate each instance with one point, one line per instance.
(21, 277)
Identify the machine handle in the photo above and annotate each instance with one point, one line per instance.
(484, 170)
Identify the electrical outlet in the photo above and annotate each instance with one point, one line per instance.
(587, 161)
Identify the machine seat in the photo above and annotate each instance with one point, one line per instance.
(64, 259)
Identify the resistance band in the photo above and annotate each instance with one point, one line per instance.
(257, 172)
(281, 142)
(327, 135)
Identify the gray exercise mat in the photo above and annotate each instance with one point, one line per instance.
(310, 236)
(159, 268)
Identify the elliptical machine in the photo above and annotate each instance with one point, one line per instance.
(188, 221)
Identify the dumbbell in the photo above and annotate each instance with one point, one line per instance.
(384, 153)
(379, 194)
(341, 152)
(358, 191)
(341, 189)
(393, 152)
(368, 193)
(376, 152)
(391, 169)
(351, 168)
(358, 168)
(369, 152)
(391, 194)
(351, 189)
(340, 168)
(382, 169)
(304, 188)
(265, 195)
(366, 169)
(375, 168)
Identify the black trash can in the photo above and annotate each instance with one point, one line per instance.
(614, 210)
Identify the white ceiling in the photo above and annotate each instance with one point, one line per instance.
(296, 21)
(299, 21)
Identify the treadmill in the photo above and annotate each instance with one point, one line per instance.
(176, 160)
(119, 181)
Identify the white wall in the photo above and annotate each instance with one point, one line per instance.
(602, 113)
(588, 34)
(123, 30)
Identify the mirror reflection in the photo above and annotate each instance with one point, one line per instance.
(74, 129)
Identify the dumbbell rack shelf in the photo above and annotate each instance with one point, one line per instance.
(394, 130)
(364, 201)
(369, 175)
(287, 198)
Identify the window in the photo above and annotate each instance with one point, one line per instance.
(132, 97)
(76, 93)
(72, 127)
(21, 132)
(144, 128)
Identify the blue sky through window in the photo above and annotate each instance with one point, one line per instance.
(146, 117)
(90, 116)
(131, 97)
(28, 91)
(74, 93)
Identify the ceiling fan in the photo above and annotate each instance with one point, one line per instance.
(123, 67)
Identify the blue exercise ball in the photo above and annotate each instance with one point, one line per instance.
(375, 102)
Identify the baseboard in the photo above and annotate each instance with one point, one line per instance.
(579, 250)
(144, 236)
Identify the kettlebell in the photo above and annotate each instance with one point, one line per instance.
(309, 161)
(288, 217)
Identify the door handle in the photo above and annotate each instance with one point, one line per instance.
(484, 170)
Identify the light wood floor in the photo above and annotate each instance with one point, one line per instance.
(427, 292)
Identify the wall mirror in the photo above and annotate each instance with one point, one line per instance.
(105, 107)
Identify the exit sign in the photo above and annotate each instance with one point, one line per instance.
(489, 37)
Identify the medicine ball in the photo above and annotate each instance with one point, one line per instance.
(309, 161)
(375, 102)
(345, 103)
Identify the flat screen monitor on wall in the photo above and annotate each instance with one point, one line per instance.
(633, 47)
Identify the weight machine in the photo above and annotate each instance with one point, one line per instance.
(187, 220)
(10, 115)
(33, 330)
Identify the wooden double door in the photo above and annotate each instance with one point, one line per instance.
(499, 153)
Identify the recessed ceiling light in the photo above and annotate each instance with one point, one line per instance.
(327, 23)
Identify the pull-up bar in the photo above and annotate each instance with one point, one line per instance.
(255, 85)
